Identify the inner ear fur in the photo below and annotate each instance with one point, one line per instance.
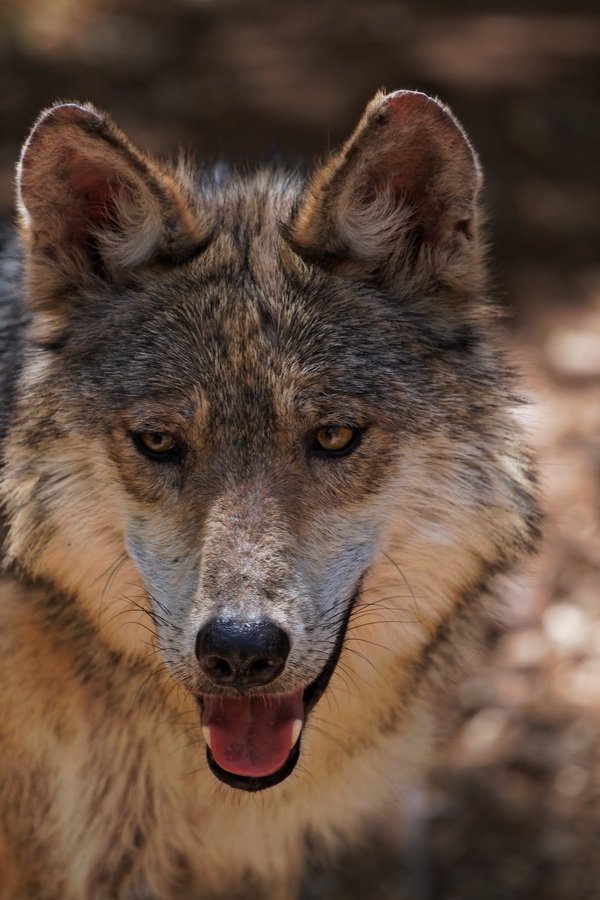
(399, 200)
(92, 205)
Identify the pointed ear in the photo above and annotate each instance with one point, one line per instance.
(399, 200)
(91, 205)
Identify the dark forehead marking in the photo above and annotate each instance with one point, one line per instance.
(247, 309)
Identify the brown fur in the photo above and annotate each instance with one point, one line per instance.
(237, 318)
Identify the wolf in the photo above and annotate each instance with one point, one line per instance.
(261, 483)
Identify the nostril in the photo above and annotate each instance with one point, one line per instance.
(243, 654)
(260, 665)
(219, 666)
(264, 670)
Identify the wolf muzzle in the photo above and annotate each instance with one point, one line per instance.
(242, 654)
(253, 740)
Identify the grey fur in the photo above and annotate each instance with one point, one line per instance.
(245, 317)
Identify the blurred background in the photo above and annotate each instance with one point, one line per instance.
(514, 811)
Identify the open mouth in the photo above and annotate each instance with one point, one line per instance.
(253, 741)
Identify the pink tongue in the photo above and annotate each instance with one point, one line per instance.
(252, 735)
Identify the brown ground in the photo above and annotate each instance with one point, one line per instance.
(514, 812)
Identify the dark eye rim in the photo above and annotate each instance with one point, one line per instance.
(319, 452)
(173, 455)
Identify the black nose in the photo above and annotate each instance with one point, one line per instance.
(242, 654)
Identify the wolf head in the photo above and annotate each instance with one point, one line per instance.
(253, 410)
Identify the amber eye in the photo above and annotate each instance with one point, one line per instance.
(336, 440)
(156, 444)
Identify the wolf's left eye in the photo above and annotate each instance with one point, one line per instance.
(335, 440)
(156, 444)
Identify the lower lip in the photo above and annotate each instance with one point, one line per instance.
(245, 782)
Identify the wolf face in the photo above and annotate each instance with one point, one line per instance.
(259, 417)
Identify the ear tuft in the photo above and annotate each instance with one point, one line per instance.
(399, 197)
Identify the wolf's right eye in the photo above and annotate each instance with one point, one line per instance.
(335, 440)
(158, 445)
